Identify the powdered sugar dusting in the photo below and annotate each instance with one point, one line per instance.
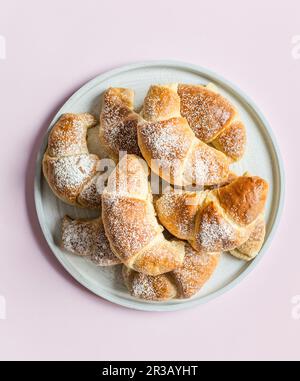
(232, 140)
(67, 164)
(127, 224)
(167, 141)
(89, 196)
(214, 233)
(161, 103)
(87, 238)
(206, 111)
(142, 287)
(68, 137)
(207, 166)
(183, 282)
(69, 173)
(177, 211)
(171, 144)
(119, 123)
(150, 287)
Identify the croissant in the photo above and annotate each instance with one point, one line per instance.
(118, 122)
(169, 145)
(213, 119)
(69, 168)
(87, 238)
(250, 248)
(130, 223)
(181, 283)
(216, 220)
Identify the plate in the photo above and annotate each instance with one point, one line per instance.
(262, 158)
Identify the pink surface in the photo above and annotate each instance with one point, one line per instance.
(51, 50)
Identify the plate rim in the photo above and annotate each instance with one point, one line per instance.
(158, 306)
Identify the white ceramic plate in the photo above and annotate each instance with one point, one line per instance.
(262, 158)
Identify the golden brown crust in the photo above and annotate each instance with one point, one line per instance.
(183, 282)
(232, 140)
(164, 145)
(252, 246)
(130, 223)
(207, 112)
(215, 220)
(177, 212)
(118, 122)
(68, 167)
(214, 232)
(67, 176)
(159, 256)
(68, 136)
(161, 103)
(213, 119)
(244, 199)
(169, 145)
(155, 288)
(205, 166)
(127, 225)
(197, 268)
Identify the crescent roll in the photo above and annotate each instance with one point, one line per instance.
(69, 168)
(213, 119)
(118, 122)
(170, 146)
(184, 282)
(221, 219)
(130, 223)
(86, 238)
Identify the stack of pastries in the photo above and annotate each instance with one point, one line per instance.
(169, 242)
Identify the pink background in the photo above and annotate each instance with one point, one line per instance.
(55, 47)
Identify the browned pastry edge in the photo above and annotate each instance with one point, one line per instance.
(130, 222)
(68, 167)
(249, 249)
(183, 282)
(169, 145)
(118, 122)
(207, 112)
(244, 198)
(213, 119)
(215, 220)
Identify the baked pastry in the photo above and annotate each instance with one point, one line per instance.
(215, 220)
(130, 224)
(118, 122)
(86, 238)
(169, 145)
(250, 248)
(181, 283)
(213, 119)
(69, 168)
